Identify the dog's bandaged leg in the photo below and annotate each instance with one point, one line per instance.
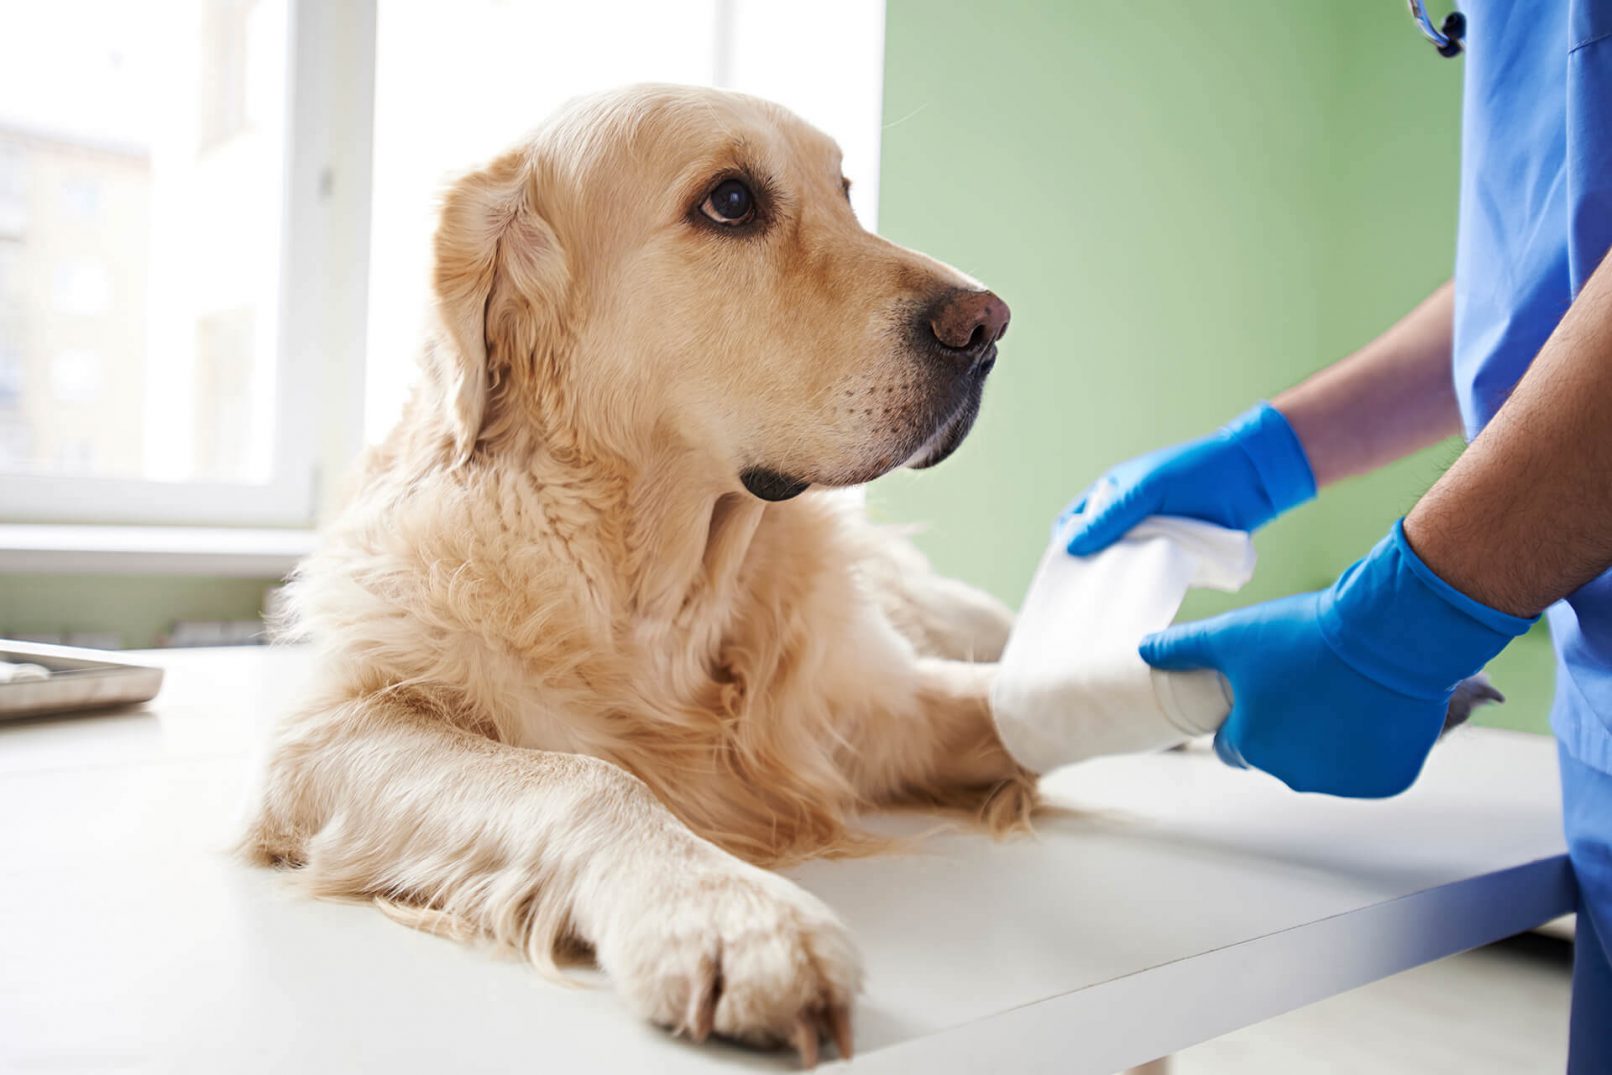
(1071, 684)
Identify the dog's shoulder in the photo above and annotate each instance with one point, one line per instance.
(485, 548)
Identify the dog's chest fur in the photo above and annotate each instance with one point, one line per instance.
(699, 654)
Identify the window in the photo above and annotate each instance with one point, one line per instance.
(10, 376)
(226, 41)
(10, 284)
(13, 188)
(141, 208)
(223, 434)
(215, 221)
(83, 288)
(76, 377)
(82, 197)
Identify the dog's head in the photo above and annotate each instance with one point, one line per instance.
(666, 265)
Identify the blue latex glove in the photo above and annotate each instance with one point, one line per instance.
(1242, 476)
(1343, 691)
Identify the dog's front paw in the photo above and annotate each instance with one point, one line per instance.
(740, 952)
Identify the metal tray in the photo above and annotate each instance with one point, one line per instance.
(80, 679)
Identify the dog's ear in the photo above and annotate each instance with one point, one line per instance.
(499, 278)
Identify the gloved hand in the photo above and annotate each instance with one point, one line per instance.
(1241, 477)
(1343, 691)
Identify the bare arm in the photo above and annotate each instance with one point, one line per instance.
(1385, 401)
(1524, 517)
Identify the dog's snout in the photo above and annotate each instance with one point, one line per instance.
(969, 321)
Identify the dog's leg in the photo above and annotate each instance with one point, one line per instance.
(943, 748)
(960, 623)
(941, 617)
(384, 799)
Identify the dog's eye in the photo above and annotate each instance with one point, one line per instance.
(731, 203)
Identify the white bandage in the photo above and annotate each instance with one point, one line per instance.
(1071, 685)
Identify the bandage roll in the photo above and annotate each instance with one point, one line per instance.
(1071, 684)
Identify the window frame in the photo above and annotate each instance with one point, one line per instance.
(324, 252)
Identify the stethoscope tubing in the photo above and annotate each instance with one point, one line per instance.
(1446, 38)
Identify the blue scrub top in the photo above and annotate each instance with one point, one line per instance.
(1536, 220)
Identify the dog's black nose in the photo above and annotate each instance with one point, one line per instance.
(969, 322)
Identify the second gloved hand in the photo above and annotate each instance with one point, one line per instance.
(1343, 691)
(1241, 476)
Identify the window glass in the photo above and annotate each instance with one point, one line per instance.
(141, 161)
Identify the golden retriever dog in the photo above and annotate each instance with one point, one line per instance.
(596, 644)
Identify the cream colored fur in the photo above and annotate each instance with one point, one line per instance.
(578, 687)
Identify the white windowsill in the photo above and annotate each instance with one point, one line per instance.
(38, 549)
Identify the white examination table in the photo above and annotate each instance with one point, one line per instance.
(1181, 900)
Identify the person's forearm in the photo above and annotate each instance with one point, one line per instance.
(1385, 401)
(1524, 517)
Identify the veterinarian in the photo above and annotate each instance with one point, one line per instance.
(1344, 691)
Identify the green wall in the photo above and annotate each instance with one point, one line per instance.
(1188, 210)
(139, 610)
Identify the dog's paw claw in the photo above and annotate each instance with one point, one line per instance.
(805, 1040)
(839, 1025)
(702, 1000)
